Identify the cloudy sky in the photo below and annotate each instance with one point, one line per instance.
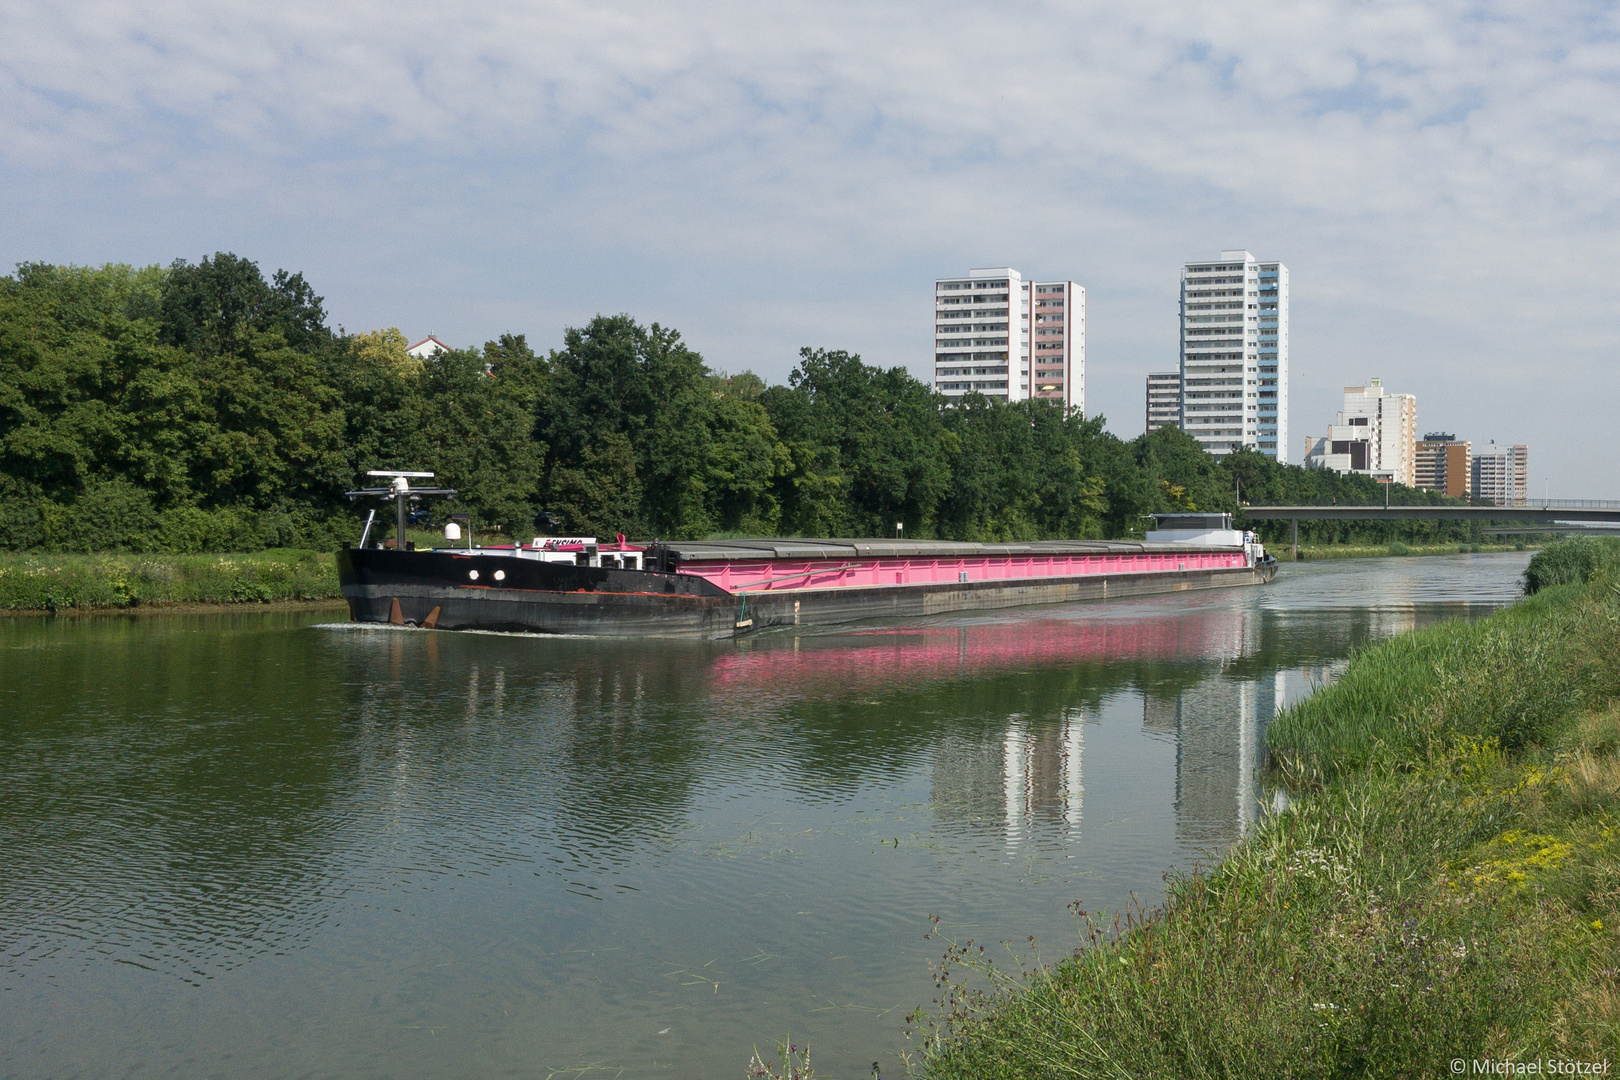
(1440, 178)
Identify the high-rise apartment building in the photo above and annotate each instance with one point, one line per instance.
(1502, 474)
(1234, 354)
(1375, 433)
(1163, 400)
(1057, 343)
(1444, 464)
(1003, 337)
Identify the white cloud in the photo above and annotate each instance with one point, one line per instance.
(1439, 176)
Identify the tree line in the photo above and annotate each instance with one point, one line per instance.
(205, 407)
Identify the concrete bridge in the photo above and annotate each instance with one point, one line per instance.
(1547, 510)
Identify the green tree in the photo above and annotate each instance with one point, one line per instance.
(213, 306)
(1170, 458)
(601, 494)
(465, 415)
(387, 349)
(98, 412)
(700, 458)
(204, 407)
(881, 427)
(1018, 473)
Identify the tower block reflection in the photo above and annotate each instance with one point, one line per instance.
(1025, 781)
(1218, 725)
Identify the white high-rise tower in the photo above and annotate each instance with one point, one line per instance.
(1234, 354)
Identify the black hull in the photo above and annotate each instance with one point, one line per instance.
(552, 598)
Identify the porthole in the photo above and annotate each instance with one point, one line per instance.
(472, 575)
(500, 575)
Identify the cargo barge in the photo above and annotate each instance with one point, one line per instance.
(727, 588)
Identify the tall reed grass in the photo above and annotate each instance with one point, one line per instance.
(1492, 679)
(1575, 561)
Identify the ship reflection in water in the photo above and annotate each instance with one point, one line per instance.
(1207, 681)
(996, 711)
(371, 850)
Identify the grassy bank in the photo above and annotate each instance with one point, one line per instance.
(1285, 551)
(64, 581)
(60, 582)
(1445, 885)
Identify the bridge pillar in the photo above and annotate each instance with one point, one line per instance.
(1296, 539)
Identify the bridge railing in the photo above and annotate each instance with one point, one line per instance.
(1558, 504)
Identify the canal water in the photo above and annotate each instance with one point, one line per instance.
(272, 845)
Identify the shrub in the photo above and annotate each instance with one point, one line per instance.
(1397, 548)
(1574, 561)
(20, 525)
(189, 529)
(113, 515)
(116, 516)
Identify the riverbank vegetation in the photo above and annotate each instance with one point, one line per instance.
(202, 407)
(1445, 884)
(61, 582)
(1397, 547)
